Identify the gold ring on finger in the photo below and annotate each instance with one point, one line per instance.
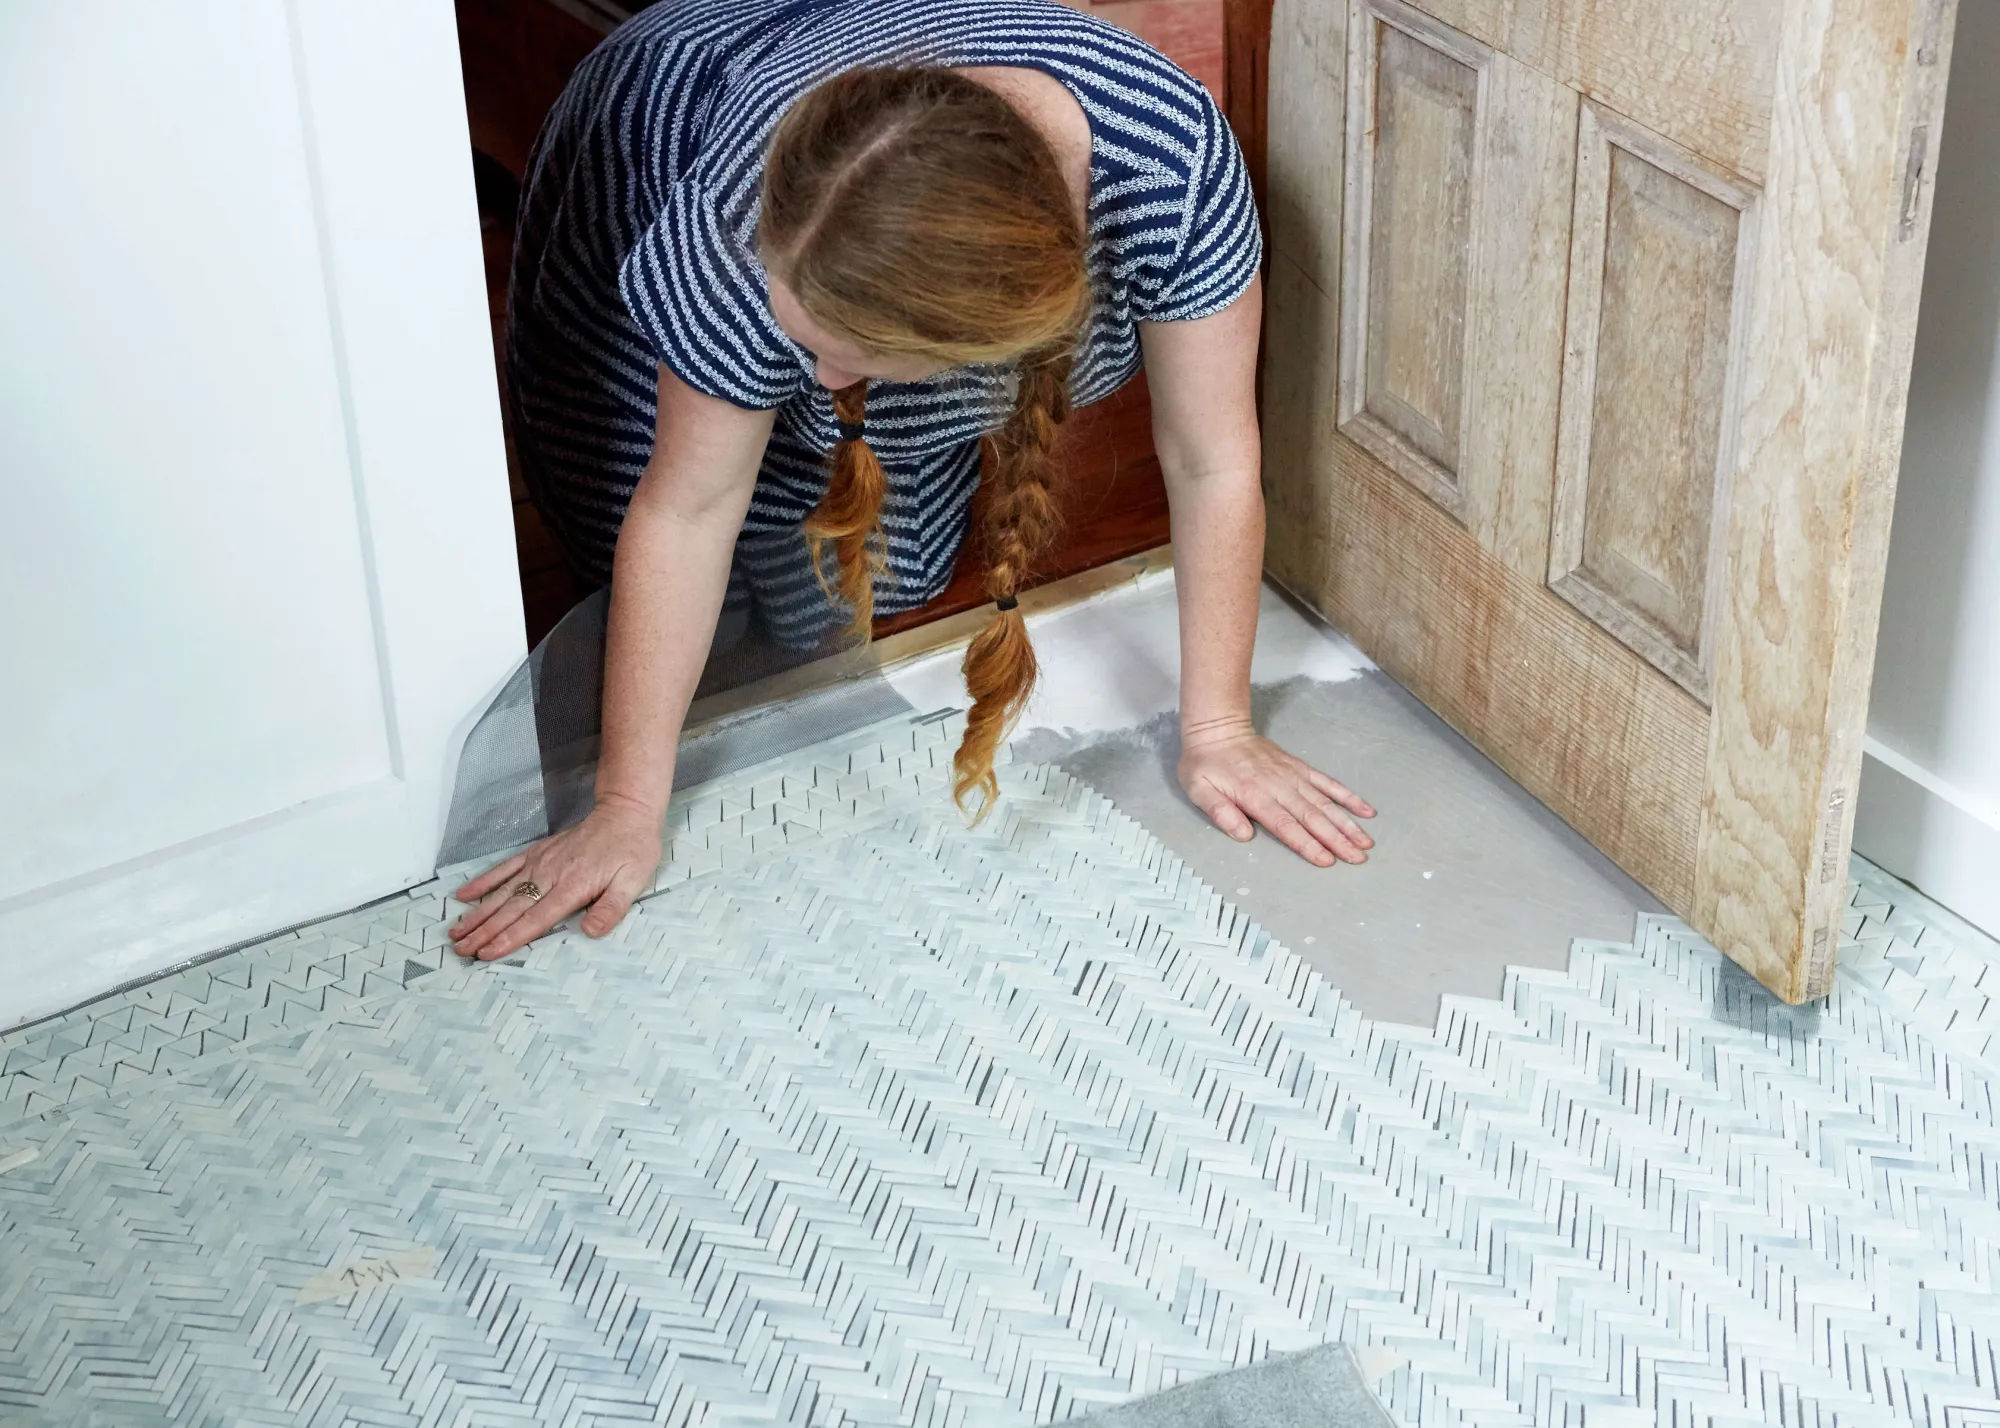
(526, 888)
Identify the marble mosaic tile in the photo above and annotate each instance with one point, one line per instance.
(875, 1120)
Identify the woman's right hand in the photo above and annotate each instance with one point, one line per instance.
(603, 863)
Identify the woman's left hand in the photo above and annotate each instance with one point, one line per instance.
(1239, 778)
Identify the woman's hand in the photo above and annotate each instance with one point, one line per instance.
(1204, 379)
(603, 863)
(1237, 776)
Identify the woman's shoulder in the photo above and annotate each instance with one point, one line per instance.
(1121, 73)
(699, 22)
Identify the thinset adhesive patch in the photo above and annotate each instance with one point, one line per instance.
(868, 1119)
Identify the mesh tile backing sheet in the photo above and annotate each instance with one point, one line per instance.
(865, 1118)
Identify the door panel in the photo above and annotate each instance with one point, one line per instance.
(1698, 72)
(1589, 334)
(174, 557)
(1456, 248)
(1618, 756)
(1412, 256)
(1662, 259)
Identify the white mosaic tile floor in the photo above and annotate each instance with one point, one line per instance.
(868, 1119)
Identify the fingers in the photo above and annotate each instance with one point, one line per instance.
(1316, 831)
(519, 921)
(609, 910)
(1333, 829)
(469, 925)
(1308, 811)
(1339, 792)
(1223, 812)
(1360, 838)
(490, 901)
(603, 864)
(1310, 800)
(491, 878)
(1292, 830)
(490, 920)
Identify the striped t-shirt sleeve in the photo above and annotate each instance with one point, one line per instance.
(698, 297)
(1223, 246)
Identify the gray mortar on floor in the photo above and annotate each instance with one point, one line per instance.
(1470, 874)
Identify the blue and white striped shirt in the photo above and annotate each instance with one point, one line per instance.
(637, 247)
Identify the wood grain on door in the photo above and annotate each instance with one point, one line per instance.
(1589, 339)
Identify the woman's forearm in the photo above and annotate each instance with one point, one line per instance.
(667, 583)
(668, 577)
(1203, 375)
(1218, 529)
(668, 580)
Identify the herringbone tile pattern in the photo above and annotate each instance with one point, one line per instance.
(292, 980)
(880, 1121)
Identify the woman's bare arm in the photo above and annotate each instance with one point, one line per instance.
(667, 583)
(1203, 376)
(1203, 379)
(668, 579)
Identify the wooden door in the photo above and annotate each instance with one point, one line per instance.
(1589, 338)
(256, 562)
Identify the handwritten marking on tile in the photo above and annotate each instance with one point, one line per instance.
(363, 1275)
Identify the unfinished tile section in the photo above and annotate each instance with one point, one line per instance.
(888, 1122)
(1469, 876)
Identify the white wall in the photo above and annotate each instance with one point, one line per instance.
(166, 289)
(1930, 790)
(256, 566)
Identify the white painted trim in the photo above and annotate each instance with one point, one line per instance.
(1939, 838)
(153, 913)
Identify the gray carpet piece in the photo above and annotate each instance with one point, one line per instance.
(1322, 1387)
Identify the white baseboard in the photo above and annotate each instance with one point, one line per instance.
(1932, 835)
(71, 942)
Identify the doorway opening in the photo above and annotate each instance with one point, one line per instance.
(517, 55)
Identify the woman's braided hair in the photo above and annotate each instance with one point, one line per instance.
(914, 211)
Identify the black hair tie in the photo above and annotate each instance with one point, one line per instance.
(1008, 602)
(851, 431)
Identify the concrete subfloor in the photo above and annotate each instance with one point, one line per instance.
(1470, 874)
